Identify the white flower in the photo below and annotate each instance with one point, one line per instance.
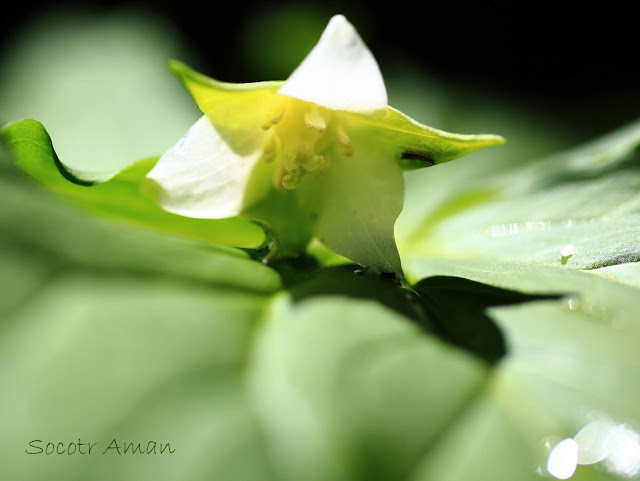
(319, 154)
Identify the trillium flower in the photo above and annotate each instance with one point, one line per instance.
(320, 154)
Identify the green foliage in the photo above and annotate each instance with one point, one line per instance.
(139, 336)
(302, 372)
(586, 198)
(119, 197)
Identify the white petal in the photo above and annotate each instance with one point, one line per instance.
(201, 176)
(352, 209)
(340, 72)
(563, 459)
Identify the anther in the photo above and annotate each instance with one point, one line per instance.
(269, 149)
(290, 160)
(343, 142)
(292, 179)
(273, 117)
(313, 163)
(314, 120)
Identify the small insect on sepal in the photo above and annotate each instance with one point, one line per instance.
(411, 160)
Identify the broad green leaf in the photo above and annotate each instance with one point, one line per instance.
(348, 390)
(120, 333)
(453, 309)
(119, 197)
(594, 291)
(111, 332)
(593, 330)
(97, 357)
(480, 445)
(41, 226)
(568, 362)
(585, 198)
(625, 273)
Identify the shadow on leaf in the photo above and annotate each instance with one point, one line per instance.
(452, 308)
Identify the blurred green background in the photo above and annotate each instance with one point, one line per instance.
(113, 332)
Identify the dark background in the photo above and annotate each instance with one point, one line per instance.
(577, 62)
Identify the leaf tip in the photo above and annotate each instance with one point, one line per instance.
(495, 140)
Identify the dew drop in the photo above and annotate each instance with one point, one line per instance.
(563, 459)
(591, 440)
(624, 451)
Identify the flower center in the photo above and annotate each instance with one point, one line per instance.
(300, 138)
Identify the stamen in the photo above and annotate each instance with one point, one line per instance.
(290, 160)
(343, 142)
(313, 120)
(292, 179)
(314, 162)
(274, 116)
(270, 148)
(278, 173)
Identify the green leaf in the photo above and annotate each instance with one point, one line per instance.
(111, 332)
(585, 198)
(568, 362)
(132, 336)
(120, 197)
(123, 334)
(353, 389)
(129, 335)
(457, 308)
(624, 273)
(35, 221)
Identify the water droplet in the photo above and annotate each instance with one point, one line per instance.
(563, 459)
(623, 444)
(615, 446)
(591, 440)
(574, 303)
(498, 230)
